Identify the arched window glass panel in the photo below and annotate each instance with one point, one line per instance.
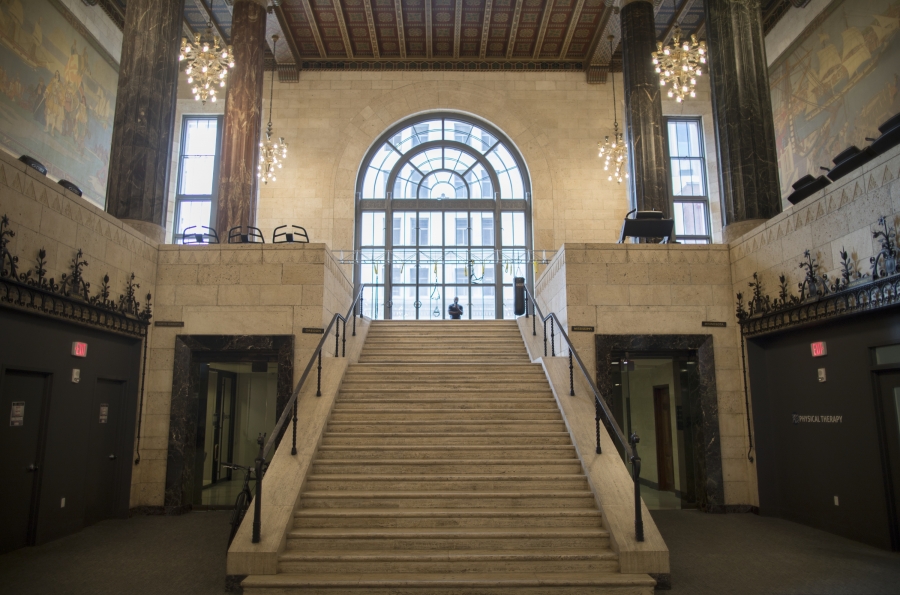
(428, 161)
(378, 171)
(479, 181)
(407, 183)
(443, 185)
(416, 135)
(461, 132)
(508, 171)
(457, 160)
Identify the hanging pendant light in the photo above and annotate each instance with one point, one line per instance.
(208, 62)
(679, 65)
(614, 151)
(271, 153)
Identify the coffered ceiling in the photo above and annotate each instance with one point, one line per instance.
(447, 34)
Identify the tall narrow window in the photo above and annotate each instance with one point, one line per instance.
(198, 174)
(689, 189)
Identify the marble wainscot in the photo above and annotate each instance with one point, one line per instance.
(184, 411)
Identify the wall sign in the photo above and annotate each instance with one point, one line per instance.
(818, 349)
(104, 412)
(713, 323)
(17, 414)
(313, 331)
(169, 323)
(817, 419)
(79, 349)
(582, 329)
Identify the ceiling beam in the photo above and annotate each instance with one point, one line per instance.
(401, 36)
(339, 15)
(373, 39)
(201, 6)
(513, 29)
(677, 18)
(429, 53)
(599, 53)
(186, 29)
(573, 22)
(307, 9)
(548, 8)
(457, 26)
(486, 27)
(288, 35)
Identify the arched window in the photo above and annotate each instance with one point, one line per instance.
(443, 210)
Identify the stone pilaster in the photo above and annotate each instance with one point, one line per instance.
(742, 112)
(645, 132)
(243, 118)
(145, 108)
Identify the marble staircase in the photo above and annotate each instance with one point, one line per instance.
(446, 468)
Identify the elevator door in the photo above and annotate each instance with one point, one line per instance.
(23, 398)
(103, 452)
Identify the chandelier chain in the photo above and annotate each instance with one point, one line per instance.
(614, 152)
(271, 152)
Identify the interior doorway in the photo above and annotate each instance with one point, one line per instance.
(657, 396)
(240, 404)
(888, 409)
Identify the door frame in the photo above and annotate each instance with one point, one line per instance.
(120, 439)
(887, 475)
(35, 504)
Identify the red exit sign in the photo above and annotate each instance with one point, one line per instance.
(818, 349)
(79, 349)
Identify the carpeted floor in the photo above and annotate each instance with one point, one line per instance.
(733, 554)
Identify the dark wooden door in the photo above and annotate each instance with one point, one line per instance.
(889, 395)
(104, 450)
(664, 464)
(23, 405)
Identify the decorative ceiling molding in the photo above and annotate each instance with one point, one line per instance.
(457, 29)
(545, 20)
(513, 29)
(373, 38)
(570, 31)
(429, 52)
(401, 36)
(526, 65)
(314, 27)
(339, 16)
(278, 14)
(485, 27)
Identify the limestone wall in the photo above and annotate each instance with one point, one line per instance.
(635, 289)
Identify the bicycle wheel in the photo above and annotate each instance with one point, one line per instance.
(240, 509)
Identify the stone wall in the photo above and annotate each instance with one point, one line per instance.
(232, 289)
(648, 289)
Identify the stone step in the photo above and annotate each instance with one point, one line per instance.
(434, 499)
(449, 466)
(318, 540)
(432, 452)
(418, 426)
(451, 402)
(469, 393)
(489, 583)
(468, 482)
(456, 561)
(484, 372)
(448, 518)
(443, 438)
(455, 385)
(426, 358)
(507, 413)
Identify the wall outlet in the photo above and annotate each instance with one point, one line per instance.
(836, 501)
(62, 503)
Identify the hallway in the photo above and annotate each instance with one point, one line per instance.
(735, 554)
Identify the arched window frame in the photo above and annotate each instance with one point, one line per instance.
(497, 205)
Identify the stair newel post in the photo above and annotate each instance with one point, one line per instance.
(319, 380)
(257, 501)
(597, 423)
(294, 432)
(636, 466)
(545, 338)
(571, 374)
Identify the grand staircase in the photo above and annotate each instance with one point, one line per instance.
(446, 469)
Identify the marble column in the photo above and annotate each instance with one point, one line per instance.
(145, 110)
(742, 113)
(645, 132)
(243, 119)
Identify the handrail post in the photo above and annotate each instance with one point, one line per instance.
(636, 466)
(257, 501)
(526, 304)
(597, 423)
(319, 381)
(552, 338)
(545, 338)
(337, 337)
(344, 341)
(533, 321)
(294, 439)
(571, 374)
(354, 317)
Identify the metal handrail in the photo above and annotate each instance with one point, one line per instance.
(265, 447)
(602, 412)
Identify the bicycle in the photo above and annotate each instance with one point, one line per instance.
(242, 503)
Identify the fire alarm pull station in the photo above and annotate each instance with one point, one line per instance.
(76, 375)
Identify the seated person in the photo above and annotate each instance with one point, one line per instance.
(455, 310)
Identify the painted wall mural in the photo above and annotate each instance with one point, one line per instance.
(57, 93)
(832, 88)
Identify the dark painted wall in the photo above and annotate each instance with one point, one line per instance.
(802, 467)
(45, 345)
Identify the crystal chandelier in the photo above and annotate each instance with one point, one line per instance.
(615, 152)
(679, 65)
(207, 63)
(271, 153)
